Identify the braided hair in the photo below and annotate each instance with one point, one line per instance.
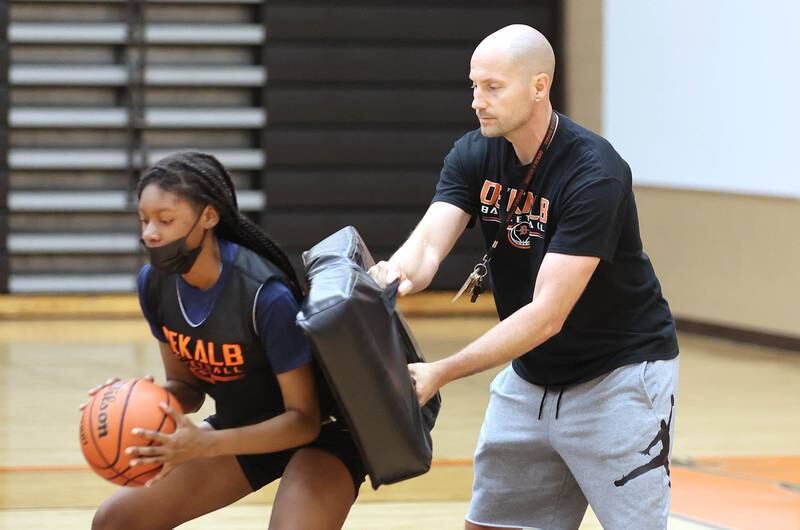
(202, 179)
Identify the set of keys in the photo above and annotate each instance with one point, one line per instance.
(474, 284)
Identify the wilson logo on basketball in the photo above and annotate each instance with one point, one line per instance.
(102, 417)
(207, 361)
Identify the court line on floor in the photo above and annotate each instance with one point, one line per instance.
(452, 462)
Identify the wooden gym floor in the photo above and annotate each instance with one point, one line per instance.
(736, 454)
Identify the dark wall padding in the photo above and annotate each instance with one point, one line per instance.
(364, 100)
(363, 347)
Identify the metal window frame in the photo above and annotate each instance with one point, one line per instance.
(135, 88)
(262, 17)
(4, 145)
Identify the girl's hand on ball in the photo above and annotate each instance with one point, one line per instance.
(188, 442)
(110, 382)
(97, 389)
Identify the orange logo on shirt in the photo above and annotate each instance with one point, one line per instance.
(207, 361)
(523, 223)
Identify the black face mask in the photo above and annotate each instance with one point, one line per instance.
(175, 258)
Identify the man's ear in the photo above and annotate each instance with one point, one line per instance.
(540, 86)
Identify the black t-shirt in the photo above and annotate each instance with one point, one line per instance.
(580, 202)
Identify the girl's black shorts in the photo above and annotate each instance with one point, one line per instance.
(335, 438)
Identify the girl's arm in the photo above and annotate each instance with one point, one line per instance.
(299, 425)
(180, 382)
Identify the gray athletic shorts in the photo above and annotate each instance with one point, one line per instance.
(543, 454)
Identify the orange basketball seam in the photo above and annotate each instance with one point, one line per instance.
(150, 443)
(122, 420)
(119, 442)
(110, 466)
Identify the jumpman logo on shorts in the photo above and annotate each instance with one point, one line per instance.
(662, 459)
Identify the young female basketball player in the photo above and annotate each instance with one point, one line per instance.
(221, 299)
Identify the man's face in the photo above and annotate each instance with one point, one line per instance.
(501, 93)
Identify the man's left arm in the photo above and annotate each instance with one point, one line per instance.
(561, 280)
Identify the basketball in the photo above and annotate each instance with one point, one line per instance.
(106, 424)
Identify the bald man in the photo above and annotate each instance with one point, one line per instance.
(589, 336)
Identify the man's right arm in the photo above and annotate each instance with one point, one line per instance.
(418, 259)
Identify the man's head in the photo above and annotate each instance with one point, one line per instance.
(511, 72)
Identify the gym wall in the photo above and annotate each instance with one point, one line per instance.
(724, 259)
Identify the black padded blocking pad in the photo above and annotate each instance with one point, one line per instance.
(363, 347)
